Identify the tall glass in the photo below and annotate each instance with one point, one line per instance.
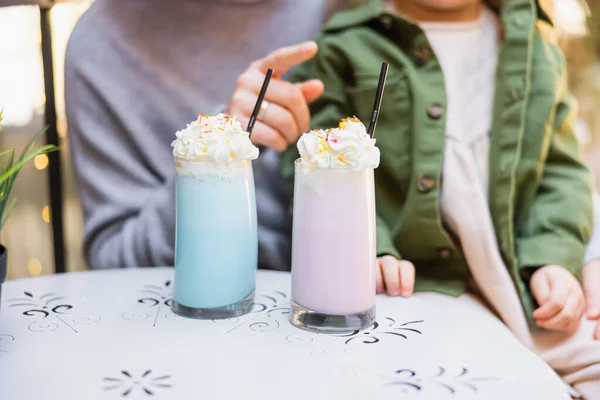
(333, 250)
(216, 245)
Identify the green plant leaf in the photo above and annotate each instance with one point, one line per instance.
(4, 186)
(26, 153)
(13, 171)
(6, 211)
(7, 151)
(8, 177)
(31, 143)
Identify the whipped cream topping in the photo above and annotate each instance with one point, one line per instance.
(217, 138)
(347, 146)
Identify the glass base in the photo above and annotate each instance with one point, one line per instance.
(242, 307)
(327, 323)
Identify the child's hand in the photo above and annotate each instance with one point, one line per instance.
(591, 284)
(560, 297)
(395, 277)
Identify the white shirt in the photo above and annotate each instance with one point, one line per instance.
(468, 55)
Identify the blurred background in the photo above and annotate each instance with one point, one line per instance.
(28, 233)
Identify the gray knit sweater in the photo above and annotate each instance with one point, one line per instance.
(139, 70)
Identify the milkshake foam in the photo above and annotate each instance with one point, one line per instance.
(348, 146)
(216, 138)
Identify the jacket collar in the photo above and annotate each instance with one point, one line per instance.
(360, 12)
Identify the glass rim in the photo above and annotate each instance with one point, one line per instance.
(298, 165)
(187, 160)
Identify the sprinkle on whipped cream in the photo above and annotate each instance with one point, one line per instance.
(216, 138)
(348, 146)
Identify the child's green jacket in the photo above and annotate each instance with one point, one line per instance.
(540, 192)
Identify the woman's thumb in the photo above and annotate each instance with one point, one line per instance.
(312, 89)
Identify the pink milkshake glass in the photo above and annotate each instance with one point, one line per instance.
(333, 249)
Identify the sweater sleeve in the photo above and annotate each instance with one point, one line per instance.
(129, 208)
(559, 223)
(331, 67)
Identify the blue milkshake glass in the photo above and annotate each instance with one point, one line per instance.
(216, 243)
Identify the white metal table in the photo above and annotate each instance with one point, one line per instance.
(112, 335)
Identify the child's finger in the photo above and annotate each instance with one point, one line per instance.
(391, 275)
(407, 278)
(567, 318)
(555, 302)
(597, 331)
(540, 287)
(591, 285)
(380, 287)
(593, 312)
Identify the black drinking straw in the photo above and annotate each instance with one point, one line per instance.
(378, 97)
(261, 97)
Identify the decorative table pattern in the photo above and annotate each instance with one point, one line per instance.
(112, 335)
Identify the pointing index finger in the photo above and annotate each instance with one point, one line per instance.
(286, 57)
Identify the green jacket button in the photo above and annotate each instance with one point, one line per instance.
(425, 183)
(519, 21)
(435, 111)
(422, 54)
(444, 253)
(386, 21)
